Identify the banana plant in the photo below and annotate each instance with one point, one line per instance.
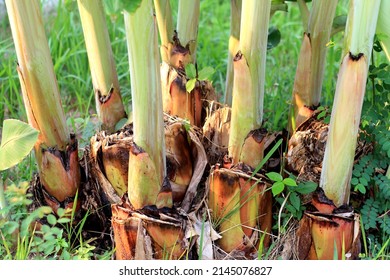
(239, 202)
(162, 171)
(56, 149)
(311, 61)
(109, 106)
(178, 50)
(235, 20)
(332, 229)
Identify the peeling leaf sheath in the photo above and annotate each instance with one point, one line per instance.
(319, 28)
(103, 71)
(344, 124)
(311, 61)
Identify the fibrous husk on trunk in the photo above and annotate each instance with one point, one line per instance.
(109, 161)
(216, 134)
(306, 149)
(215, 139)
(148, 233)
(241, 210)
(88, 206)
(57, 164)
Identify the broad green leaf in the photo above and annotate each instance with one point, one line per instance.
(295, 200)
(10, 227)
(190, 71)
(276, 177)
(321, 115)
(206, 73)
(17, 142)
(60, 212)
(290, 182)
(277, 188)
(306, 188)
(190, 85)
(33, 216)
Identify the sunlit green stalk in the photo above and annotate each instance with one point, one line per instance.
(235, 19)
(249, 74)
(383, 27)
(187, 24)
(361, 27)
(311, 62)
(165, 26)
(109, 104)
(351, 84)
(319, 28)
(304, 10)
(144, 61)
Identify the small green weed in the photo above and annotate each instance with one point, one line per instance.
(39, 234)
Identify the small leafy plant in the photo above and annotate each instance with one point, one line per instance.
(292, 199)
(40, 234)
(193, 75)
